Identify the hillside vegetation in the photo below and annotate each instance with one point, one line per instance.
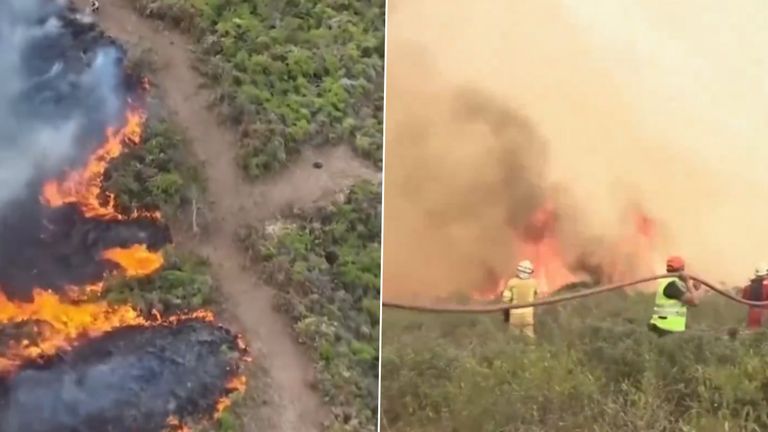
(594, 367)
(326, 263)
(160, 174)
(289, 73)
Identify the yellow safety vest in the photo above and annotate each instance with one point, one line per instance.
(669, 314)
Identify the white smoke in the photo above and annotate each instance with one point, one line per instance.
(57, 94)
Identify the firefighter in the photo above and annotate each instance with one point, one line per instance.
(673, 297)
(522, 288)
(756, 290)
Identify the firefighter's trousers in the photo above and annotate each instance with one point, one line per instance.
(522, 321)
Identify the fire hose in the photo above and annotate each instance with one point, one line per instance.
(564, 298)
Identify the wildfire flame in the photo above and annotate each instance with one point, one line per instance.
(59, 323)
(235, 385)
(634, 254)
(64, 324)
(136, 260)
(84, 187)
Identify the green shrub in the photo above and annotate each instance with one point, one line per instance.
(326, 264)
(593, 367)
(155, 174)
(289, 73)
(183, 284)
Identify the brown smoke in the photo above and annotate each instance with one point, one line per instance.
(491, 102)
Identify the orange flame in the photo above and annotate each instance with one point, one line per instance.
(542, 247)
(84, 186)
(235, 385)
(175, 425)
(136, 260)
(633, 255)
(59, 325)
(64, 324)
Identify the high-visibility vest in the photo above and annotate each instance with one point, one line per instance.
(669, 314)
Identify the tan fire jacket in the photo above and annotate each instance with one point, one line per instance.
(520, 291)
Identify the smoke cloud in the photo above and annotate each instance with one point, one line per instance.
(608, 105)
(59, 91)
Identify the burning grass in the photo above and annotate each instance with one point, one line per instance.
(183, 284)
(158, 174)
(594, 367)
(84, 186)
(55, 325)
(69, 360)
(300, 74)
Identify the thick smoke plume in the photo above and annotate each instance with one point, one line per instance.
(61, 86)
(130, 379)
(654, 105)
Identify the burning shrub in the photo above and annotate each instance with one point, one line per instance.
(154, 175)
(132, 378)
(69, 361)
(287, 76)
(182, 285)
(327, 266)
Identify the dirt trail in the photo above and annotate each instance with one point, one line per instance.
(295, 406)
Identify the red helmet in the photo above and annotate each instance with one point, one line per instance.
(675, 264)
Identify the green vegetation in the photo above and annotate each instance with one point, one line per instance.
(183, 284)
(289, 73)
(159, 174)
(156, 174)
(326, 264)
(594, 367)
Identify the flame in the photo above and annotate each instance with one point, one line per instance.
(136, 260)
(61, 322)
(632, 255)
(235, 385)
(64, 324)
(84, 187)
(539, 243)
(175, 425)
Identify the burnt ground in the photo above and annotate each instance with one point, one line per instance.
(130, 379)
(59, 247)
(286, 401)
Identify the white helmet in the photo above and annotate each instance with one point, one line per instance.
(524, 269)
(761, 270)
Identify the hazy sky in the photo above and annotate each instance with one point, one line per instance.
(658, 102)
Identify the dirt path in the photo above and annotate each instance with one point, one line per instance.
(293, 406)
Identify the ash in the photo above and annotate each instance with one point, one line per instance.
(56, 248)
(131, 379)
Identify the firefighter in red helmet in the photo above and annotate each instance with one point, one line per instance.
(674, 294)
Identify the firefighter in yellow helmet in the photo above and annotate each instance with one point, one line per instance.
(522, 288)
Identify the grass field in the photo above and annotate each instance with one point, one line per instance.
(326, 264)
(594, 367)
(287, 73)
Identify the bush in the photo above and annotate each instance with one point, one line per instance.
(155, 174)
(182, 285)
(289, 73)
(326, 263)
(593, 367)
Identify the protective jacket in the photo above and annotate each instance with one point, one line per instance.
(520, 291)
(669, 314)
